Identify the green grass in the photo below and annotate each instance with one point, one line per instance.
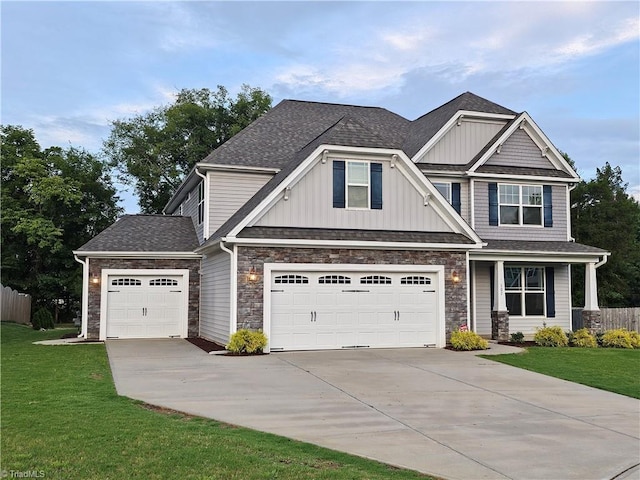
(615, 370)
(62, 416)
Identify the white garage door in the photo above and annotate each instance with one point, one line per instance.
(316, 310)
(145, 306)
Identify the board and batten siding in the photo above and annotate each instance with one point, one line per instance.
(527, 325)
(462, 142)
(520, 151)
(190, 209)
(215, 294)
(482, 305)
(228, 191)
(558, 232)
(310, 205)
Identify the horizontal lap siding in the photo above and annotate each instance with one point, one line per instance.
(488, 232)
(190, 209)
(229, 191)
(461, 143)
(310, 206)
(215, 312)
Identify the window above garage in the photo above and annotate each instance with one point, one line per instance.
(357, 185)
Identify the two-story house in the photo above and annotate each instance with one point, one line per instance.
(333, 226)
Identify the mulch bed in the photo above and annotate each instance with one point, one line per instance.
(521, 344)
(205, 345)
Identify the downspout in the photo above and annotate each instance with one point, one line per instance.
(603, 261)
(85, 295)
(205, 220)
(233, 300)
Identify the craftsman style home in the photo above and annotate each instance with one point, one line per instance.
(335, 226)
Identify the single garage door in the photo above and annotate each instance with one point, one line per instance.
(316, 310)
(145, 306)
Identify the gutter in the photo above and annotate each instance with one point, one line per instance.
(85, 295)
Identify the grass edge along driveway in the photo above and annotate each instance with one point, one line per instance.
(612, 369)
(62, 418)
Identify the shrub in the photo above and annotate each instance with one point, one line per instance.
(635, 339)
(583, 338)
(517, 337)
(42, 318)
(618, 338)
(599, 336)
(467, 340)
(551, 337)
(247, 341)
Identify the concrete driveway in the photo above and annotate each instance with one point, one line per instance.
(449, 414)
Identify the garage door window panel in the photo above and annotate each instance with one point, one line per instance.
(163, 282)
(126, 282)
(291, 280)
(375, 280)
(334, 280)
(415, 280)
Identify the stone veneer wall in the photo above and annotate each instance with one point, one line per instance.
(97, 264)
(250, 294)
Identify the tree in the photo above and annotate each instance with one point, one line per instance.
(53, 201)
(154, 151)
(605, 216)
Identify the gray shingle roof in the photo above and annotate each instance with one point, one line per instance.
(353, 235)
(540, 172)
(542, 246)
(275, 138)
(145, 233)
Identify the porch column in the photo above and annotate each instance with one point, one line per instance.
(499, 314)
(591, 312)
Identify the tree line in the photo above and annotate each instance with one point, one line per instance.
(56, 199)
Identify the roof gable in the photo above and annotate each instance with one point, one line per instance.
(524, 143)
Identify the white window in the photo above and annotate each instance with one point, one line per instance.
(444, 188)
(358, 185)
(200, 202)
(375, 280)
(334, 280)
(525, 291)
(520, 204)
(291, 279)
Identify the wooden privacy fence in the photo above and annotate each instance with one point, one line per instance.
(14, 306)
(611, 318)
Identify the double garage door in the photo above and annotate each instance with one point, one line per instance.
(145, 306)
(331, 310)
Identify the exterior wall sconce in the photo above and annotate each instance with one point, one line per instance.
(95, 279)
(455, 277)
(252, 276)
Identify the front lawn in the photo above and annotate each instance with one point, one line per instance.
(612, 369)
(62, 418)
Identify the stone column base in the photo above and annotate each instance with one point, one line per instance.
(500, 326)
(591, 321)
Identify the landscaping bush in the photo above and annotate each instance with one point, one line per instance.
(247, 341)
(42, 318)
(551, 337)
(583, 338)
(517, 337)
(618, 338)
(467, 340)
(635, 339)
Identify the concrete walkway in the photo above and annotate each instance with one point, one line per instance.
(449, 414)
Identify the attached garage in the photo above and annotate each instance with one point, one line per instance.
(145, 304)
(347, 306)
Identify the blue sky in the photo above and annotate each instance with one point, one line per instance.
(70, 68)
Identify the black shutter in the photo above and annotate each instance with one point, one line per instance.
(338, 184)
(550, 291)
(455, 197)
(548, 207)
(376, 186)
(493, 204)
